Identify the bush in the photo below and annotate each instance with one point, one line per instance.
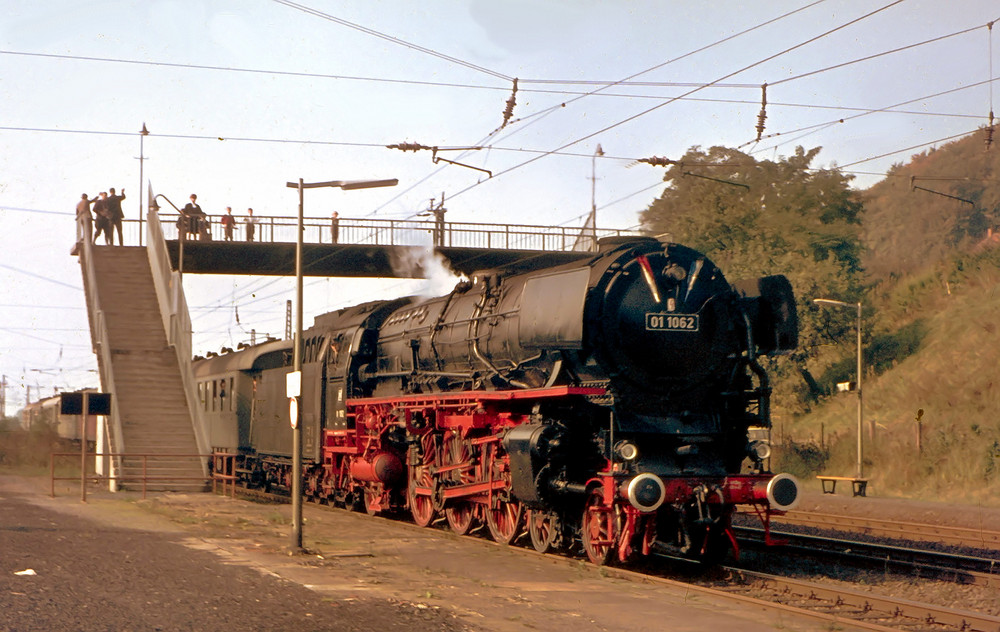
(803, 460)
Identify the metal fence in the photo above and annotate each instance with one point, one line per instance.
(410, 232)
(145, 478)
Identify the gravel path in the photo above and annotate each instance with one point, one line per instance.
(62, 572)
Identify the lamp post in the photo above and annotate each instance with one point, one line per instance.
(294, 386)
(828, 301)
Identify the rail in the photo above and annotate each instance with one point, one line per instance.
(99, 336)
(145, 478)
(176, 321)
(391, 232)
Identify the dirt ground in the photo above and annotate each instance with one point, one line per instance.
(365, 572)
(902, 509)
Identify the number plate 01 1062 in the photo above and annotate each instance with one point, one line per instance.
(672, 322)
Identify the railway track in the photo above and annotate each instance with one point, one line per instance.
(979, 538)
(862, 609)
(836, 605)
(953, 567)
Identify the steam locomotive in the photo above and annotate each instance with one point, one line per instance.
(609, 402)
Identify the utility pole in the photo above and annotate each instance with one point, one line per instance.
(592, 220)
(828, 301)
(142, 137)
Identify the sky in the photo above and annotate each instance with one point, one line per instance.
(241, 96)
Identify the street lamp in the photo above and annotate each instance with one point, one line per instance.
(828, 301)
(143, 133)
(295, 384)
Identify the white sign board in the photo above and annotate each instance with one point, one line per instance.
(293, 411)
(293, 384)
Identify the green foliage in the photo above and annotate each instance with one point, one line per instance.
(801, 459)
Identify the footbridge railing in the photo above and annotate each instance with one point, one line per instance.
(176, 322)
(394, 232)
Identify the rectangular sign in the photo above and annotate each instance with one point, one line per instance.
(293, 384)
(672, 322)
(97, 403)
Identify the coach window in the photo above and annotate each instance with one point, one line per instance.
(232, 395)
(215, 394)
(201, 396)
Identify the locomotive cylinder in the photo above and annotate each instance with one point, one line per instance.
(384, 467)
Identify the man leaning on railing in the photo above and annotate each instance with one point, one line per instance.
(83, 218)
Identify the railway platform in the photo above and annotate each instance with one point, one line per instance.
(207, 562)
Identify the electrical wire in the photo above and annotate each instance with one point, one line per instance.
(39, 276)
(693, 91)
(394, 40)
(876, 56)
(910, 148)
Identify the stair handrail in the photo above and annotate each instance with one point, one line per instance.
(176, 318)
(100, 339)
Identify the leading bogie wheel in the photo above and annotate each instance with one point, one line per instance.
(543, 528)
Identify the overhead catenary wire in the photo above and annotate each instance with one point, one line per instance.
(693, 91)
(394, 40)
(877, 55)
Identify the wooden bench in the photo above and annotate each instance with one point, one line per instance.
(858, 485)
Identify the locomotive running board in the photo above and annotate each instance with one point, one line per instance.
(468, 397)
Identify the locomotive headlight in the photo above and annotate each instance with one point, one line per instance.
(646, 492)
(626, 450)
(759, 450)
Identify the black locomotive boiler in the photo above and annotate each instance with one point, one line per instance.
(610, 402)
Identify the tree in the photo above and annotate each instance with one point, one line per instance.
(758, 217)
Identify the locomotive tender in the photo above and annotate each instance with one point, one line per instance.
(608, 401)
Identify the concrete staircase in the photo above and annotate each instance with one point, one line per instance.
(148, 388)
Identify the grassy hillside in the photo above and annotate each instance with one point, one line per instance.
(953, 377)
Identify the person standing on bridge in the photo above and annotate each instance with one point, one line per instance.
(116, 215)
(83, 218)
(335, 227)
(251, 224)
(194, 215)
(228, 222)
(102, 218)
